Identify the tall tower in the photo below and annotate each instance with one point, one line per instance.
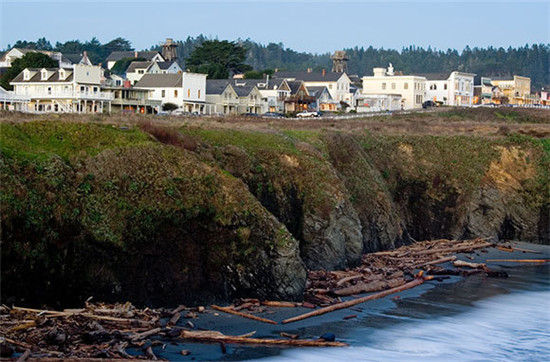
(170, 50)
(339, 61)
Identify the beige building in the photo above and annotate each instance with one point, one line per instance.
(517, 89)
(411, 88)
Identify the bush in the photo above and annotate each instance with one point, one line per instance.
(169, 135)
(169, 107)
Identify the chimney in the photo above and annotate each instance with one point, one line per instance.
(135, 54)
(309, 70)
(324, 72)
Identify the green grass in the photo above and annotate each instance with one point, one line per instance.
(41, 140)
(249, 140)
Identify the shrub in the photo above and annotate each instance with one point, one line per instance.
(169, 135)
(169, 107)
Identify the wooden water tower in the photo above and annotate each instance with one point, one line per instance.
(339, 61)
(170, 50)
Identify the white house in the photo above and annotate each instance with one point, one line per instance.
(63, 90)
(411, 88)
(337, 83)
(15, 53)
(150, 56)
(136, 70)
(457, 89)
(164, 67)
(250, 98)
(221, 97)
(186, 90)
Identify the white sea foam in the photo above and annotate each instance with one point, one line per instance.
(514, 327)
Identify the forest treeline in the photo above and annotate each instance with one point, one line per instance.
(529, 60)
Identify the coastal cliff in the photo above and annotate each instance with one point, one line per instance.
(183, 213)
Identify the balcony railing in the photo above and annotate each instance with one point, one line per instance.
(102, 96)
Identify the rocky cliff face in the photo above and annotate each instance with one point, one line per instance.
(198, 214)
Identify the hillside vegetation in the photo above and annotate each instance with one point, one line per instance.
(170, 212)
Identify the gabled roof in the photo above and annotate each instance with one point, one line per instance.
(164, 80)
(294, 85)
(138, 65)
(37, 76)
(73, 58)
(118, 55)
(216, 86)
(243, 87)
(165, 65)
(309, 76)
(317, 91)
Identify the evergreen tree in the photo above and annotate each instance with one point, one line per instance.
(218, 59)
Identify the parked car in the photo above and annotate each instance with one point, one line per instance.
(307, 114)
(250, 114)
(273, 115)
(428, 104)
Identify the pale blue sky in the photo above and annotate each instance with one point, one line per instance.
(312, 26)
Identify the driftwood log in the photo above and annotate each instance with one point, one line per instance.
(214, 336)
(244, 315)
(417, 281)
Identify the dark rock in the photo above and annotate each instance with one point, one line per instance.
(329, 337)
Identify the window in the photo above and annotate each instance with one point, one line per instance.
(175, 93)
(383, 85)
(406, 85)
(445, 86)
(199, 93)
(393, 86)
(140, 71)
(95, 89)
(330, 86)
(82, 88)
(188, 93)
(44, 75)
(163, 93)
(49, 90)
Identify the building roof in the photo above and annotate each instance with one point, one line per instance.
(434, 76)
(504, 77)
(317, 91)
(138, 65)
(73, 58)
(37, 76)
(165, 65)
(294, 85)
(118, 55)
(309, 76)
(163, 80)
(243, 87)
(216, 86)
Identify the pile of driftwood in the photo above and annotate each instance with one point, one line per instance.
(95, 331)
(391, 269)
(102, 331)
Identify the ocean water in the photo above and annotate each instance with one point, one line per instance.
(512, 327)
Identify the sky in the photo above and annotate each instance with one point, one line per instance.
(312, 26)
